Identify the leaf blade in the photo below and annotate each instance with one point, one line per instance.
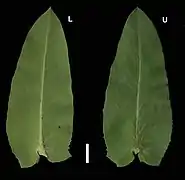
(139, 61)
(30, 93)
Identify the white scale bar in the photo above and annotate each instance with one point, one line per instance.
(87, 153)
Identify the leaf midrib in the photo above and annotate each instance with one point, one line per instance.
(41, 145)
(138, 83)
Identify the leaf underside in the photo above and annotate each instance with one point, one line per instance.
(39, 118)
(137, 113)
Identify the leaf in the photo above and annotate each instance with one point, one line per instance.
(137, 110)
(39, 118)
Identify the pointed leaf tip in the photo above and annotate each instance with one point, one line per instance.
(136, 10)
(49, 9)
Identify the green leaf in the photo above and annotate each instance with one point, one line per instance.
(40, 108)
(137, 113)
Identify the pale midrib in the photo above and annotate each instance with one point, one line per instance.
(139, 82)
(41, 146)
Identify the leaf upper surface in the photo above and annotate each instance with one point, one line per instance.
(137, 113)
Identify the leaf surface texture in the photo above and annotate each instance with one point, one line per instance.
(137, 112)
(40, 109)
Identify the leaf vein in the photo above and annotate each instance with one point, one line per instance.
(42, 86)
(139, 80)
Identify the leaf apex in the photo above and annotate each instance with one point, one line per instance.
(137, 9)
(49, 10)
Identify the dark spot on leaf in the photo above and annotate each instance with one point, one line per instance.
(58, 126)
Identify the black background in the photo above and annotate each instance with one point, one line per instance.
(92, 40)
